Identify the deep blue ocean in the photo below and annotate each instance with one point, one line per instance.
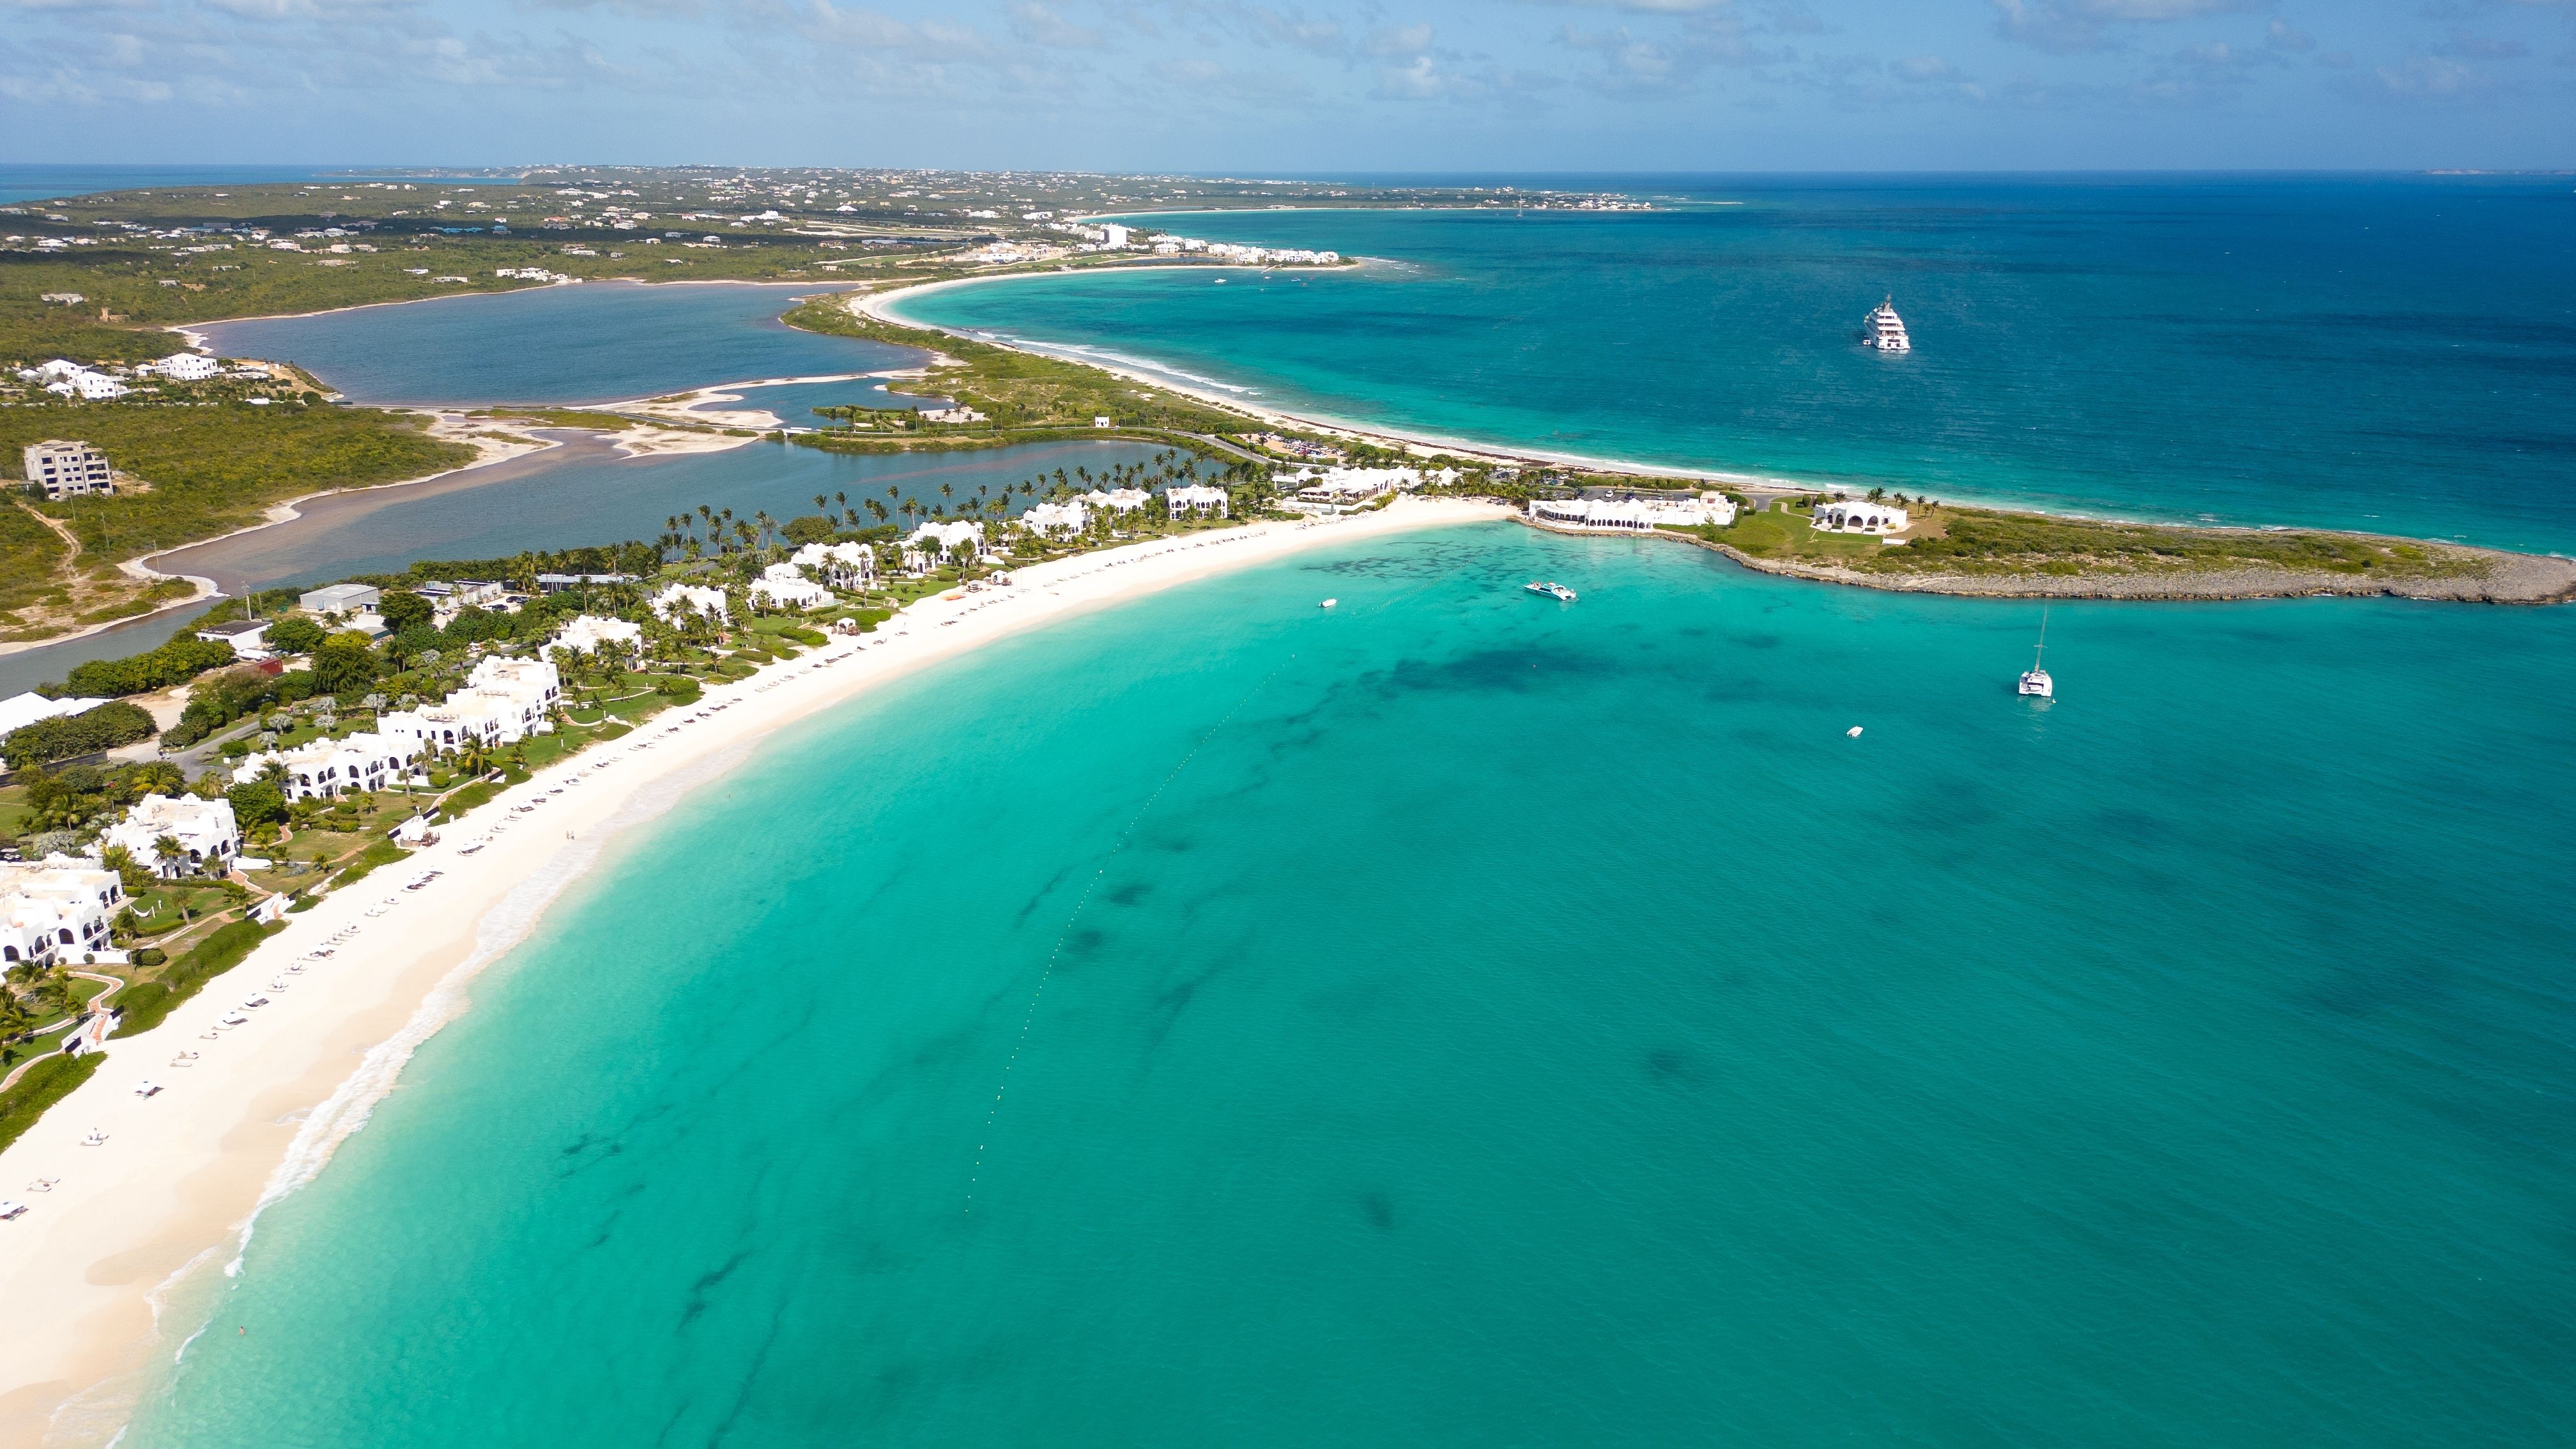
(2390, 353)
(30, 181)
(1459, 1018)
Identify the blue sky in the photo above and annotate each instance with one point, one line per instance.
(1267, 85)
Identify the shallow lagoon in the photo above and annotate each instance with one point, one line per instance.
(1463, 1019)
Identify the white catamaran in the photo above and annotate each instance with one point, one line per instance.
(2035, 680)
(1886, 329)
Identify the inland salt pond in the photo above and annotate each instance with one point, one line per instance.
(561, 346)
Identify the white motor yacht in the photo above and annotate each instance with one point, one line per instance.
(1553, 590)
(1886, 329)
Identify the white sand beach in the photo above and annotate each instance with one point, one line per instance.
(135, 1223)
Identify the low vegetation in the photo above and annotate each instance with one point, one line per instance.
(1946, 539)
(98, 728)
(146, 1004)
(46, 1082)
(1021, 393)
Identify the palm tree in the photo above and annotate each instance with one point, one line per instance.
(167, 847)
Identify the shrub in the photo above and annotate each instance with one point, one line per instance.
(382, 852)
(295, 635)
(101, 727)
(148, 1005)
(176, 662)
(47, 1082)
(257, 802)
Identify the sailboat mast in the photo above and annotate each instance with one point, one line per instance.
(2042, 651)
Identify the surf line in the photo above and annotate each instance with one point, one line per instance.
(1126, 833)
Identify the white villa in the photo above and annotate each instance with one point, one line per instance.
(1121, 500)
(1044, 518)
(784, 586)
(1338, 490)
(841, 565)
(945, 537)
(56, 910)
(184, 367)
(1631, 515)
(207, 835)
(587, 632)
(70, 379)
(1856, 515)
(709, 603)
(1195, 498)
(326, 768)
(435, 729)
(526, 689)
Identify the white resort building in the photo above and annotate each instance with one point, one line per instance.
(1053, 518)
(56, 910)
(1121, 500)
(1632, 515)
(945, 537)
(435, 729)
(1339, 490)
(784, 586)
(1195, 498)
(705, 602)
(841, 565)
(1855, 515)
(587, 632)
(207, 835)
(184, 367)
(326, 769)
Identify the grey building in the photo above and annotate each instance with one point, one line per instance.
(67, 469)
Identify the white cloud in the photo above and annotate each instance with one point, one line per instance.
(1040, 25)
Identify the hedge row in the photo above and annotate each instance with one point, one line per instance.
(47, 1082)
(177, 662)
(100, 727)
(146, 1006)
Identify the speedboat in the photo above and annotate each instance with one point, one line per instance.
(1552, 589)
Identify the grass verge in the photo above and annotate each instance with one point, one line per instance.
(46, 1083)
(149, 1004)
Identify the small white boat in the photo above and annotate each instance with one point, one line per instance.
(1552, 589)
(1852, 733)
(1328, 603)
(2034, 680)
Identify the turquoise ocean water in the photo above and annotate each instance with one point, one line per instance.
(2384, 353)
(1463, 1019)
